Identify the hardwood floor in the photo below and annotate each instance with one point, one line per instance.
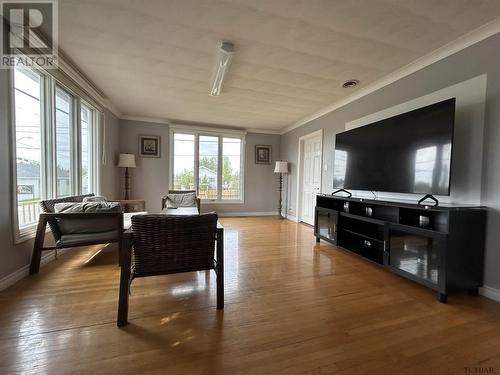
(292, 307)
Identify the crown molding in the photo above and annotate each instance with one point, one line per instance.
(70, 69)
(205, 128)
(193, 125)
(475, 36)
(264, 131)
(207, 125)
(108, 104)
(154, 120)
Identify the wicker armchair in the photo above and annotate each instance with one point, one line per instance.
(164, 199)
(112, 221)
(163, 245)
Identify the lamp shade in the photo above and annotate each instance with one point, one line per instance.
(281, 167)
(126, 161)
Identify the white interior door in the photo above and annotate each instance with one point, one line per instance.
(311, 177)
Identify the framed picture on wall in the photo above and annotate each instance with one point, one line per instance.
(149, 146)
(262, 154)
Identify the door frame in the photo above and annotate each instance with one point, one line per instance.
(298, 204)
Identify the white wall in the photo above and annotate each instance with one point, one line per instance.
(467, 143)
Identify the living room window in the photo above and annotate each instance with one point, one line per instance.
(183, 166)
(209, 162)
(208, 170)
(55, 145)
(88, 139)
(30, 186)
(231, 168)
(64, 136)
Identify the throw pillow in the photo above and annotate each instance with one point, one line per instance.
(87, 207)
(181, 200)
(71, 225)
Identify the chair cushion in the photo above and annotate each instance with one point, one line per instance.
(181, 200)
(100, 206)
(68, 240)
(91, 225)
(95, 198)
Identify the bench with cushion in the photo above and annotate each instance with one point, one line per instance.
(78, 221)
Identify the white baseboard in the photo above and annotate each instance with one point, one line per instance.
(236, 214)
(489, 292)
(24, 271)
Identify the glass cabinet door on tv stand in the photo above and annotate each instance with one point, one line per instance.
(417, 254)
(326, 224)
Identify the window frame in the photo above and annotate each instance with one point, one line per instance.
(219, 161)
(48, 145)
(209, 132)
(74, 140)
(94, 136)
(27, 232)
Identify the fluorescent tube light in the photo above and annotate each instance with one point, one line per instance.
(226, 51)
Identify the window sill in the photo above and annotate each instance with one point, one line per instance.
(215, 201)
(25, 234)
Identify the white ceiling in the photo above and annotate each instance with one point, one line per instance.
(155, 58)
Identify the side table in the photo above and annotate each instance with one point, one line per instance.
(133, 205)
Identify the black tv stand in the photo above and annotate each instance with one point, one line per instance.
(440, 247)
(343, 191)
(431, 197)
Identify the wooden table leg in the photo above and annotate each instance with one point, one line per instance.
(220, 268)
(126, 254)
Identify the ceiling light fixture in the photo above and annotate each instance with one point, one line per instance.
(226, 51)
(350, 83)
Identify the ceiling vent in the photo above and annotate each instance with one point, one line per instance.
(350, 84)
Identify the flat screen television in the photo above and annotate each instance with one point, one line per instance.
(407, 153)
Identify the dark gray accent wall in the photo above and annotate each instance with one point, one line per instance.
(149, 180)
(151, 177)
(110, 183)
(490, 192)
(481, 58)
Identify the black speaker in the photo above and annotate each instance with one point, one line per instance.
(424, 221)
